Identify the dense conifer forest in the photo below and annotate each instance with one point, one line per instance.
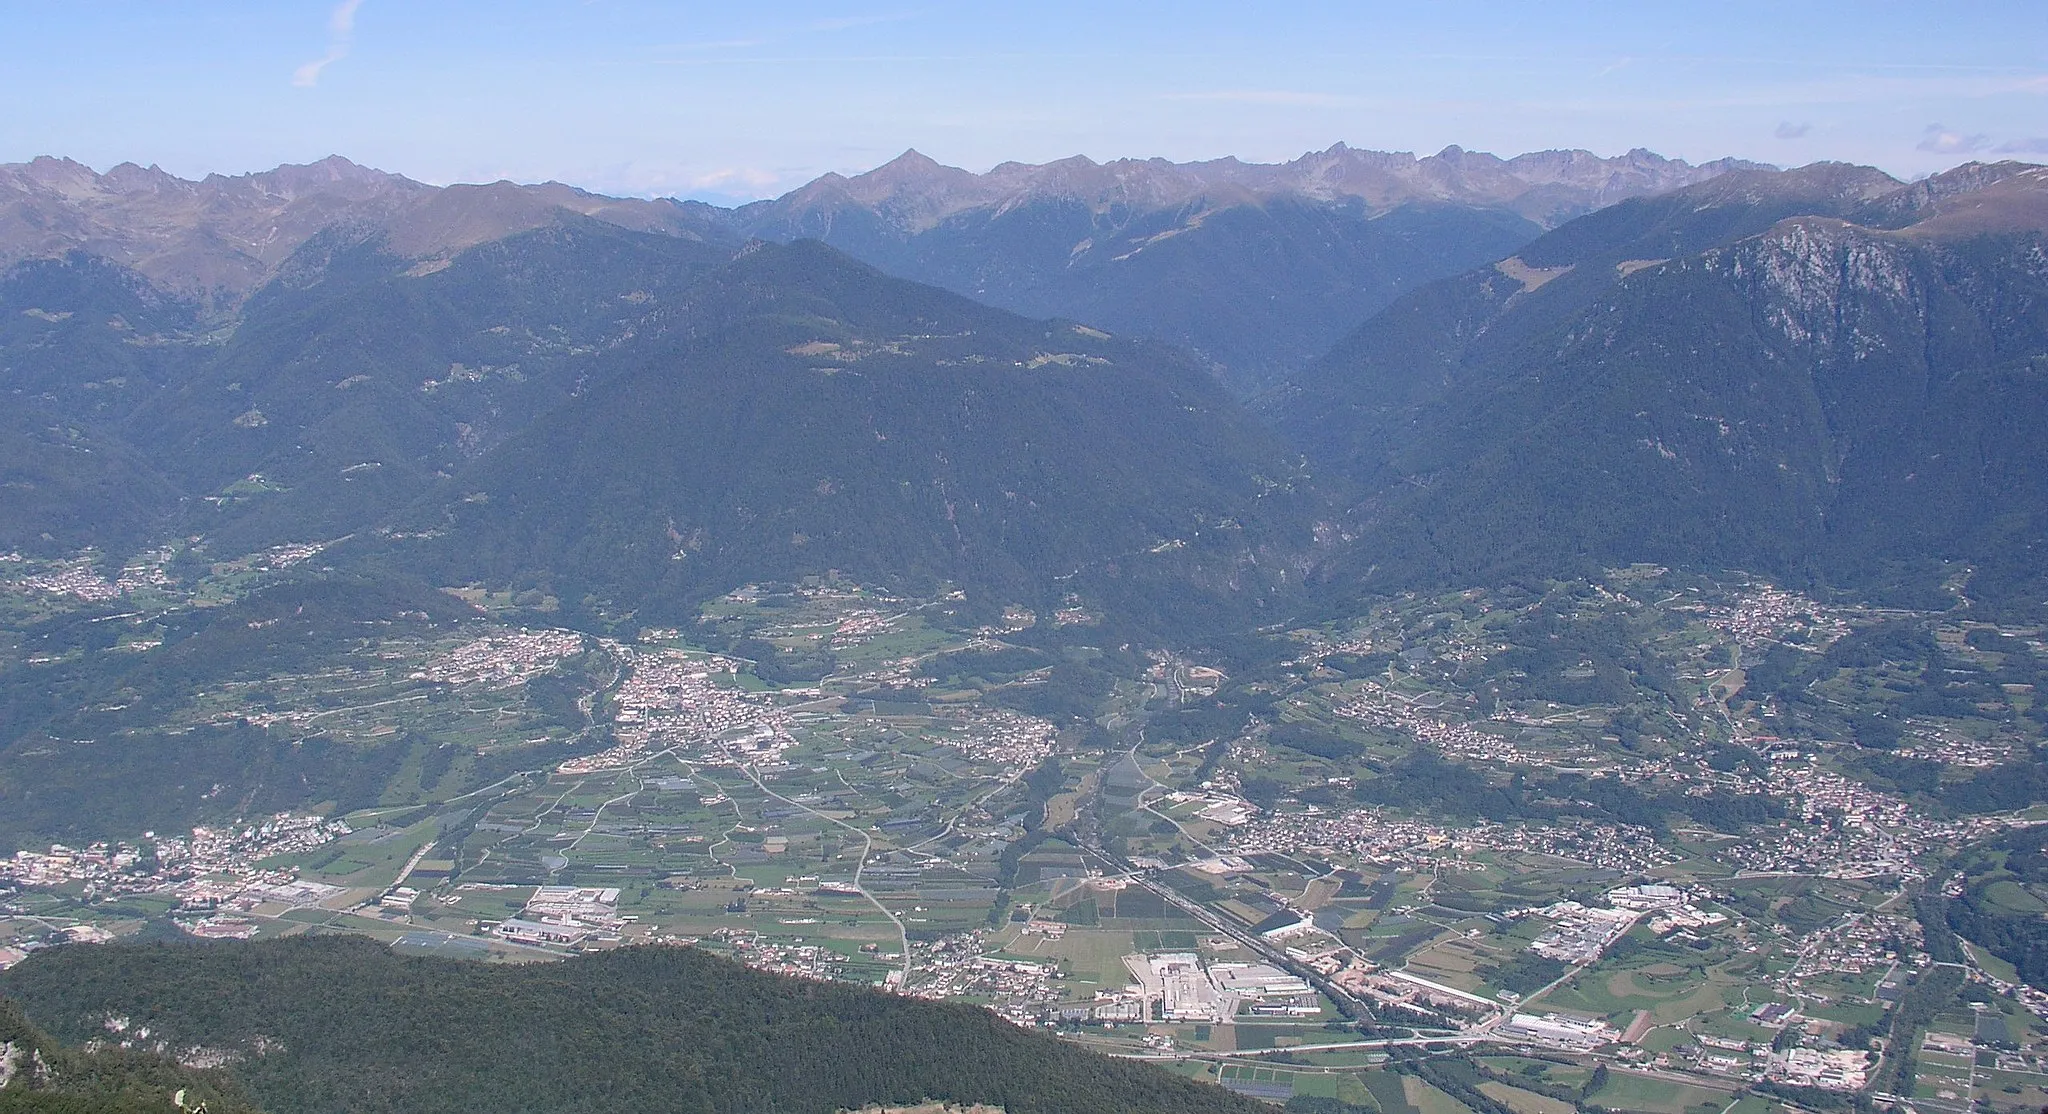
(345, 1025)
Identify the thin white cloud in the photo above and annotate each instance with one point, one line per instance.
(1941, 141)
(1789, 130)
(2033, 145)
(341, 32)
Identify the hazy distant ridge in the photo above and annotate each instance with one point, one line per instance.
(1546, 186)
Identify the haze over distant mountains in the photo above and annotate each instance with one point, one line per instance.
(220, 237)
(1720, 365)
(916, 193)
(1254, 267)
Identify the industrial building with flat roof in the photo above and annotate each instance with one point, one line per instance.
(1561, 1030)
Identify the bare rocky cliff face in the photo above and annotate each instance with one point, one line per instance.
(1820, 373)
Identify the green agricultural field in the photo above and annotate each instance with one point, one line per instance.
(1525, 1102)
(376, 861)
(1390, 1092)
(1428, 1100)
(1625, 1091)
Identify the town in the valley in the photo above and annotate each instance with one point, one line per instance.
(838, 783)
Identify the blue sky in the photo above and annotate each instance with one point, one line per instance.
(734, 101)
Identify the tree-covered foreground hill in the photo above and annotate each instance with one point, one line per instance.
(345, 1025)
(40, 1076)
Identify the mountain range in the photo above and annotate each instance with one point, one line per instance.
(1254, 267)
(219, 238)
(1823, 374)
(796, 411)
(1176, 409)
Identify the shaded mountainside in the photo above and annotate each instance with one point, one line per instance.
(1256, 268)
(1813, 374)
(1255, 287)
(356, 380)
(87, 743)
(345, 1025)
(343, 389)
(635, 419)
(83, 344)
(63, 485)
(800, 412)
(40, 1076)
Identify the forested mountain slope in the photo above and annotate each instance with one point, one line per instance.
(341, 1024)
(335, 393)
(40, 1076)
(798, 412)
(1818, 373)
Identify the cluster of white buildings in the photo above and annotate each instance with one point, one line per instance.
(670, 698)
(1841, 1069)
(955, 967)
(1559, 1030)
(237, 848)
(564, 915)
(1860, 942)
(1579, 933)
(222, 858)
(1178, 986)
(1363, 833)
(1619, 847)
(1765, 614)
(860, 626)
(77, 579)
(1379, 706)
(99, 866)
(799, 957)
(1376, 839)
(1952, 748)
(999, 737)
(1846, 829)
(503, 659)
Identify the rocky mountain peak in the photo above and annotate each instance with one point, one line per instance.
(221, 236)
(331, 175)
(912, 163)
(1977, 198)
(130, 178)
(914, 192)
